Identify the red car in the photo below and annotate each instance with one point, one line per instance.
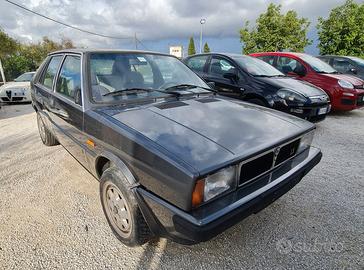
(346, 92)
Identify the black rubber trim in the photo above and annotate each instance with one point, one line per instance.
(201, 234)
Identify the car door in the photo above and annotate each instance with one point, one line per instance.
(225, 74)
(43, 89)
(67, 107)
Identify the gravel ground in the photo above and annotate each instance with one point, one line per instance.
(51, 217)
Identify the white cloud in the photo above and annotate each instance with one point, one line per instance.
(151, 20)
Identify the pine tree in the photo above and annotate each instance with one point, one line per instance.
(206, 48)
(191, 47)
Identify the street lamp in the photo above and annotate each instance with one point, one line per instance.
(202, 22)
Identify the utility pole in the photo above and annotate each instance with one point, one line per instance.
(2, 73)
(202, 22)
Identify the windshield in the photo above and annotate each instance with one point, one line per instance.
(317, 64)
(26, 77)
(124, 76)
(357, 60)
(257, 67)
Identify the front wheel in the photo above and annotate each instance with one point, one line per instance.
(121, 209)
(46, 136)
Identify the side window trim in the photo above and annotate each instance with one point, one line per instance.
(64, 97)
(39, 84)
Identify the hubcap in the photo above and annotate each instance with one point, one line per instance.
(117, 209)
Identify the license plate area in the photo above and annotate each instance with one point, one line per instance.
(322, 111)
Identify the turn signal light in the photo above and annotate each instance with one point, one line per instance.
(198, 193)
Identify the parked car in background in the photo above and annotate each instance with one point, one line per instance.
(250, 79)
(346, 92)
(345, 64)
(173, 159)
(18, 90)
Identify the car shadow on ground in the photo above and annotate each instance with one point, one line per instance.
(7, 110)
(349, 114)
(233, 243)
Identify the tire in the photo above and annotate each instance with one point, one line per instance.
(44, 133)
(257, 101)
(121, 209)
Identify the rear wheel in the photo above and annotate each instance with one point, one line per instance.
(121, 209)
(45, 135)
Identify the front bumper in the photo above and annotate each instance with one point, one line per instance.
(166, 220)
(15, 95)
(312, 113)
(348, 103)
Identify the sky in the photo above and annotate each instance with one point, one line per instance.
(157, 23)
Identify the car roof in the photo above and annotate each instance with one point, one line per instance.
(87, 50)
(298, 54)
(231, 55)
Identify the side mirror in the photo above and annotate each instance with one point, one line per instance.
(287, 69)
(353, 70)
(300, 71)
(231, 76)
(212, 85)
(78, 98)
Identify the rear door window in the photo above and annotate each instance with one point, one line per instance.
(69, 80)
(51, 71)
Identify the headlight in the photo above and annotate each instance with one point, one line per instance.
(291, 96)
(345, 84)
(214, 185)
(305, 141)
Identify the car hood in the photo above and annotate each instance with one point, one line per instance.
(350, 78)
(10, 85)
(209, 132)
(302, 87)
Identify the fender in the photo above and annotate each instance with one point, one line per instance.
(118, 163)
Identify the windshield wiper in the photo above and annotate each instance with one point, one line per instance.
(325, 72)
(263, 75)
(133, 90)
(184, 87)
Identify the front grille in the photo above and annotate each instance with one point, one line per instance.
(359, 86)
(287, 151)
(259, 166)
(345, 101)
(5, 99)
(17, 98)
(256, 167)
(360, 100)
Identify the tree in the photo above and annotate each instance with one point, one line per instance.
(191, 47)
(206, 48)
(342, 32)
(275, 32)
(8, 45)
(19, 58)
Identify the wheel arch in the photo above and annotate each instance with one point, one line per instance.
(106, 160)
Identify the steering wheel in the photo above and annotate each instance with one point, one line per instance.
(167, 84)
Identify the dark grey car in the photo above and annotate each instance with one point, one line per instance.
(346, 64)
(173, 159)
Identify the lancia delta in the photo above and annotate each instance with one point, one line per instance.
(173, 158)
